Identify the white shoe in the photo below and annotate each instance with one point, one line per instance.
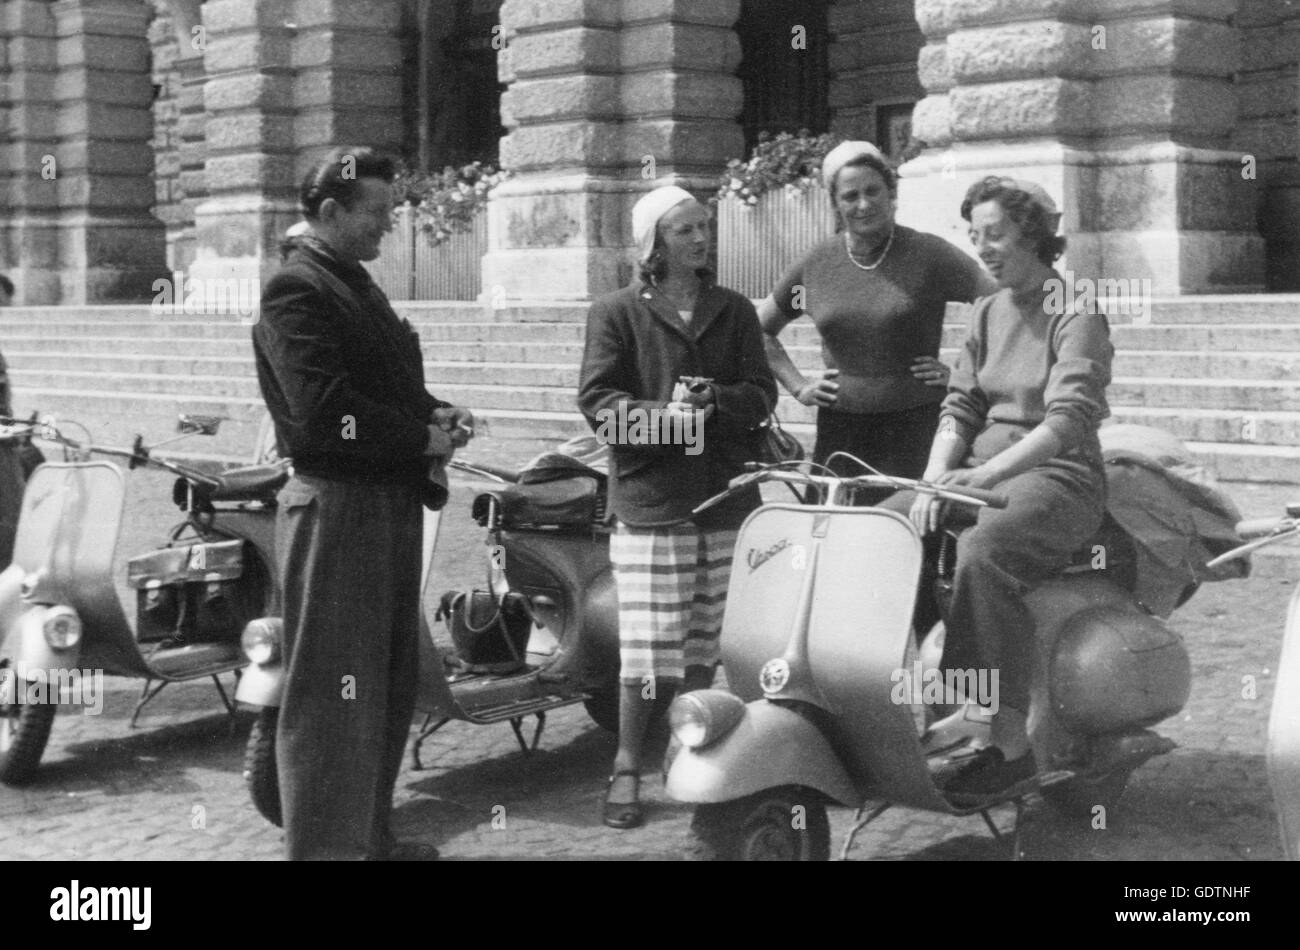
(970, 725)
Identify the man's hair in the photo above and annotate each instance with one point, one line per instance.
(6, 285)
(338, 176)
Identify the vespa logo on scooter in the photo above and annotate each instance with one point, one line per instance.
(756, 558)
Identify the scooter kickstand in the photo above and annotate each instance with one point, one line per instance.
(859, 823)
(426, 730)
(517, 724)
(146, 695)
(1019, 802)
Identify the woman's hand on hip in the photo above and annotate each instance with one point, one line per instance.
(821, 392)
(931, 371)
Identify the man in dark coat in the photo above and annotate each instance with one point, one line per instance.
(343, 378)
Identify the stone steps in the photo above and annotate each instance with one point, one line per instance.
(1221, 373)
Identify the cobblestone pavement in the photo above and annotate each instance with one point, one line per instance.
(172, 789)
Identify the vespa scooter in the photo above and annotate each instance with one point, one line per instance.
(1282, 747)
(816, 642)
(62, 623)
(546, 541)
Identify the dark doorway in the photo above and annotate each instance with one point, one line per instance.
(784, 66)
(454, 90)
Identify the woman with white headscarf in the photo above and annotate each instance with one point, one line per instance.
(876, 292)
(674, 378)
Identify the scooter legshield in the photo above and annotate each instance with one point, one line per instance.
(770, 747)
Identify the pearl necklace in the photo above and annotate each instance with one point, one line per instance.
(848, 247)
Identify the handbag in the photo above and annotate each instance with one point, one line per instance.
(776, 444)
(490, 634)
(489, 628)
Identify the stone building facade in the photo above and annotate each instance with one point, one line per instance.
(143, 136)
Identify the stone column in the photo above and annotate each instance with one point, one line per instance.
(79, 159)
(29, 229)
(285, 83)
(603, 103)
(248, 168)
(183, 157)
(111, 248)
(1126, 116)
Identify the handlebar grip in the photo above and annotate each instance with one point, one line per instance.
(1253, 528)
(990, 498)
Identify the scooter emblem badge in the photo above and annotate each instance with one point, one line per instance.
(774, 675)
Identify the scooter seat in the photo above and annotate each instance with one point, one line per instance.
(251, 483)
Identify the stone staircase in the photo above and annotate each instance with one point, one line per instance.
(1222, 373)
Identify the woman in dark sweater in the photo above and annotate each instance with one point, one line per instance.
(876, 292)
(1027, 396)
(673, 444)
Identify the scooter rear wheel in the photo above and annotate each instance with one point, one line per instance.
(777, 824)
(261, 774)
(24, 731)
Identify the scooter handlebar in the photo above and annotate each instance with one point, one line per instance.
(1253, 528)
(990, 498)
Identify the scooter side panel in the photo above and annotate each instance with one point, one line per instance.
(770, 747)
(67, 535)
(867, 567)
(1282, 749)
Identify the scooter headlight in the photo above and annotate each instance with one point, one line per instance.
(703, 716)
(261, 640)
(61, 627)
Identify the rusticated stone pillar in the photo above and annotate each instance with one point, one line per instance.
(1126, 115)
(29, 228)
(286, 81)
(80, 185)
(604, 101)
(248, 135)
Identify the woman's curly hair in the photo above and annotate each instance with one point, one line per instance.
(1036, 223)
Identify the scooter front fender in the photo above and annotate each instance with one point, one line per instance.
(770, 747)
(260, 685)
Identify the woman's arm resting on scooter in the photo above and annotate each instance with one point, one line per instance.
(946, 453)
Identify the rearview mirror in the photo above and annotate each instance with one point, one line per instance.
(198, 425)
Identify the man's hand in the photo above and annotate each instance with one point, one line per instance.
(458, 423)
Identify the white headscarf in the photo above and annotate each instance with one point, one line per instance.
(648, 210)
(844, 153)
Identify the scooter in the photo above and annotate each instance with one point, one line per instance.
(832, 701)
(1282, 748)
(547, 541)
(62, 623)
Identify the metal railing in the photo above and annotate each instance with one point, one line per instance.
(409, 268)
(756, 243)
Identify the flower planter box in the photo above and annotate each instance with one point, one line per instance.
(410, 268)
(758, 242)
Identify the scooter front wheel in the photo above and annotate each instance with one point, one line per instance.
(777, 824)
(24, 731)
(261, 774)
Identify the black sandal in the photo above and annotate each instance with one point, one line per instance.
(622, 814)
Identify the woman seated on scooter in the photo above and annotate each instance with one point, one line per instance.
(1026, 398)
(673, 444)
